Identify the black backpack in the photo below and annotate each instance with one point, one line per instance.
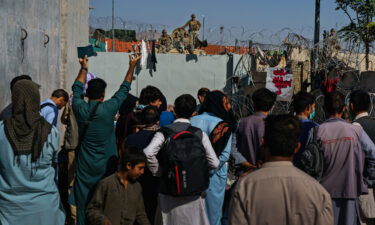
(185, 170)
(312, 158)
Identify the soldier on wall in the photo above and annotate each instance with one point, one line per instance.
(194, 27)
(165, 42)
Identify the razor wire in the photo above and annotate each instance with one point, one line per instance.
(335, 56)
(236, 36)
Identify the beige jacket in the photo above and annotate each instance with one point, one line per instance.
(281, 194)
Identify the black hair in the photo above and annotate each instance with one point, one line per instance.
(128, 105)
(18, 78)
(203, 92)
(164, 105)
(282, 134)
(150, 94)
(334, 102)
(149, 115)
(133, 156)
(96, 88)
(263, 99)
(361, 100)
(134, 122)
(60, 93)
(184, 106)
(302, 100)
(125, 126)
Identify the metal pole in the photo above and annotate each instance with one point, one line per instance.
(113, 25)
(203, 28)
(314, 61)
(317, 22)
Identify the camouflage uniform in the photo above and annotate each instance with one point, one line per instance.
(194, 27)
(165, 43)
(178, 43)
(186, 40)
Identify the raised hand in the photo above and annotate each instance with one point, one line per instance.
(134, 59)
(84, 62)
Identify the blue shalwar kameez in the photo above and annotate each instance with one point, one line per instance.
(28, 192)
(216, 190)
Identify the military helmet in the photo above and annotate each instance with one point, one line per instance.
(193, 15)
(163, 31)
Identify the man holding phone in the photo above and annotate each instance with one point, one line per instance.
(96, 152)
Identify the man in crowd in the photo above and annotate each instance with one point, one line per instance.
(360, 103)
(279, 193)
(150, 95)
(349, 153)
(50, 107)
(97, 153)
(118, 198)
(251, 129)
(304, 107)
(185, 210)
(7, 111)
(149, 117)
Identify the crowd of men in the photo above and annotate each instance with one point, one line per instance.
(140, 161)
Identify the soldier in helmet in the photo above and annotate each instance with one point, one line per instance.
(194, 27)
(165, 42)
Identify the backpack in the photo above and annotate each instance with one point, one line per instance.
(71, 137)
(312, 158)
(185, 170)
(219, 137)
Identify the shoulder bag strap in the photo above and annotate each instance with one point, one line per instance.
(47, 104)
(315, 133)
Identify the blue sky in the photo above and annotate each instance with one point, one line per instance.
(251, 15)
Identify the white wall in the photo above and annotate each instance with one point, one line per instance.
(175, 74)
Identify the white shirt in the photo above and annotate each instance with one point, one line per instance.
(158, 140)
(358, 117)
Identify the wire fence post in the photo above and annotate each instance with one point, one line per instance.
(113, 25)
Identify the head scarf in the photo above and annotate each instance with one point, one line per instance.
(219, 136)
(213, 103)
(26, 130)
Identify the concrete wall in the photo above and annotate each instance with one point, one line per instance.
(35, 59)
(74, 33)
(175, 74)
(63, 21)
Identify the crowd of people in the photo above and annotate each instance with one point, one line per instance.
(142, 161)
